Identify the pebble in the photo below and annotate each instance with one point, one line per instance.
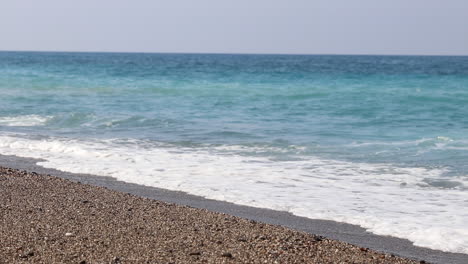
(27, 254)
(227, 255)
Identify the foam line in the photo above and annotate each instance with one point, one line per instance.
(383, 198)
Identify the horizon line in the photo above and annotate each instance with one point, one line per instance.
(234, 53)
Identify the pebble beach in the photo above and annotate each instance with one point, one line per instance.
(46, 219)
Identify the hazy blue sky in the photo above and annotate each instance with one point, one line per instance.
(237, 26)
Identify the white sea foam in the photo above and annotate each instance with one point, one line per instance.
(24, 120)
(382, 198)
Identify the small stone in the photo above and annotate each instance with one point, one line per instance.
(195, 253)
(227, 255)
(27, 254)
(115, 260)
(68, 234)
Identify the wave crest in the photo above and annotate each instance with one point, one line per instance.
(24, 120)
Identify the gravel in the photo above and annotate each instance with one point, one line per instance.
(45, 219)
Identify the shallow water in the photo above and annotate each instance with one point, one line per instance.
(379, 141)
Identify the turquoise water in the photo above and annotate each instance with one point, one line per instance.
(286, 124)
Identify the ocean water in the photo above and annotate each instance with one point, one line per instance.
(377, 141)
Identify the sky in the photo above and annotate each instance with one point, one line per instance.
(418, 27)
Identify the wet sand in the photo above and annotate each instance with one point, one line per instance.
(48, 219)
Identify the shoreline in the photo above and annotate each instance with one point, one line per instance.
(334, 230)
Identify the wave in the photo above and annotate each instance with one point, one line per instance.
(438, 142)
(415, 203)
(24, 120)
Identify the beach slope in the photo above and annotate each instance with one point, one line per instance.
(45, 219)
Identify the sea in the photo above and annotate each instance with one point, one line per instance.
(376, 141)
